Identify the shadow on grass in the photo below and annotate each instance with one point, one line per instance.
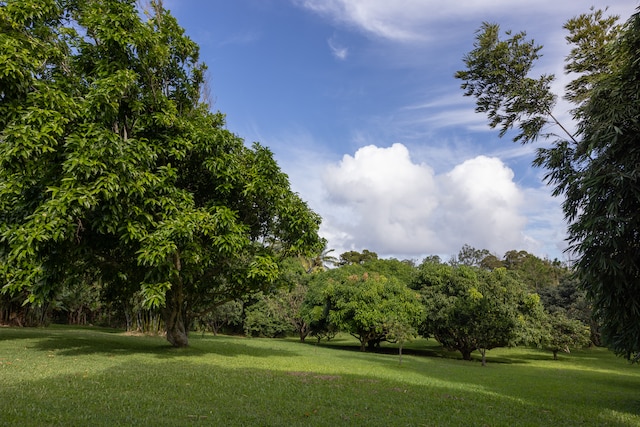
(436, 351)
(84, 341)
(187, 393)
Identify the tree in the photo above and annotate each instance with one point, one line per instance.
(278, 313)
(564, 333)
(111, 162)
(264, 318)
(470, 309)
(315, 310)
(355, 257)
(399, 332)
(491, 262)
(227, 314)
(471, 256)
(535, 272)
(597, 168)
(365, 304)
(321, 261)
(570, 300)
(403, 271)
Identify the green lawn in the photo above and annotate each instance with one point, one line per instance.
(74, 377)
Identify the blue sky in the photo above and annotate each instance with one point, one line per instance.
(358, 102)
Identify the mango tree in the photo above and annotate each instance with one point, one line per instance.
(470, 309)
(367, 305)
(563, 334)
(111, 162)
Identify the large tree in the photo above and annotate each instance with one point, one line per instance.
(112, 163)
(596, 168)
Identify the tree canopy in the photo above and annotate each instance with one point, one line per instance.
(362, 302)
(112, 163)
(472, 309)
(597, 167)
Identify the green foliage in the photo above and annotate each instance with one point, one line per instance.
(364, 304)
(225, 315)
(591, 35)
(569, 298)
(563, 333)
(535, 272)
(81, 302)
(470, 309)
(320, 261)
(280, 312)
(603, 196)
(471, 256)
(355, 257)
(497, 75)
(403, 271)
(264, 318)
(111, 161)
(596, 170)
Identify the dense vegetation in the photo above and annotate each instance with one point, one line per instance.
(464, 304)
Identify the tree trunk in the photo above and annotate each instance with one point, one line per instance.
(555, 354)
(466, 354)
(483, 351)
(177, 333)
(303, 330)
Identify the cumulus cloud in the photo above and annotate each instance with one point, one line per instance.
(480, 200)
(382, 200)
(385, 199)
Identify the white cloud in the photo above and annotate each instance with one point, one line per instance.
(482, 204)
(337, 50)
(388, 199)
(380, 199)
(416, 20)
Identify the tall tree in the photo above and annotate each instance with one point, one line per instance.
(597, 168)
(111, 162)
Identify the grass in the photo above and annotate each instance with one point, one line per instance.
(86, 376)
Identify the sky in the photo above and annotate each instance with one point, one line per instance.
(357, 101)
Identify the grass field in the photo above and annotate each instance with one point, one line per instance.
(76, 377)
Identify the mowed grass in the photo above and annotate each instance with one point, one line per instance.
(75, 377)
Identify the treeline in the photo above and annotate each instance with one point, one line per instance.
(474, 301)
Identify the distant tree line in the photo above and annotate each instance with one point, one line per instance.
(476, 301)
